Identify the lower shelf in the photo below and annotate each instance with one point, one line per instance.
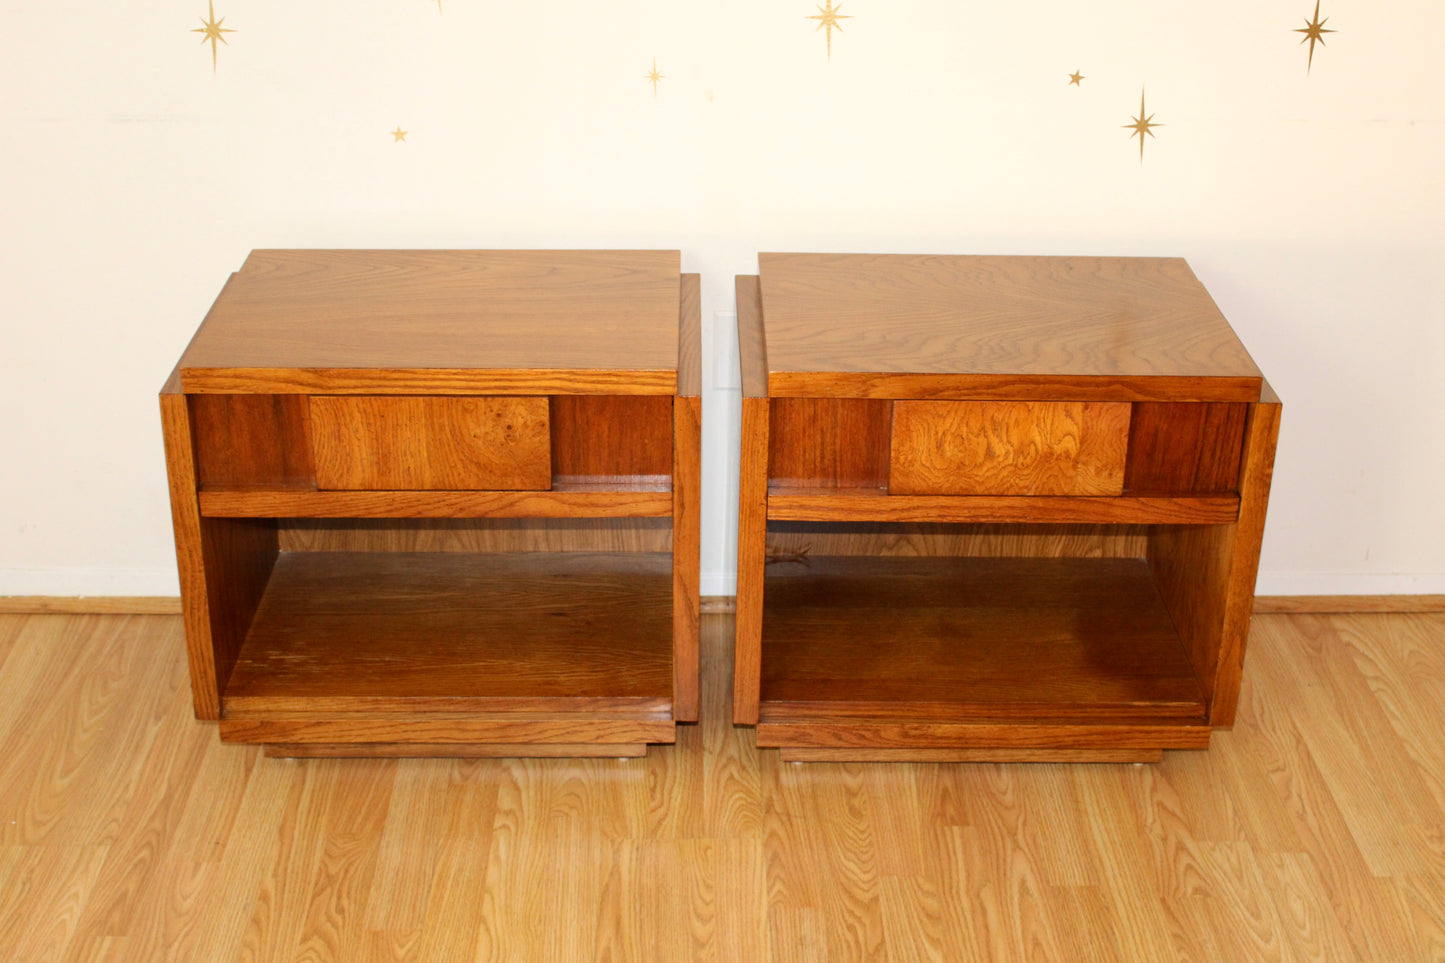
(973, 652)
(439, 647)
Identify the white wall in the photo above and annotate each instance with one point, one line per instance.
(136, 178)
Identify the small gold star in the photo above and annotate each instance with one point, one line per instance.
(1314, 30)
(213, 31)
(654, 77)
(828, 17)
(398, 134)
(1075, 77)
(1143, 124)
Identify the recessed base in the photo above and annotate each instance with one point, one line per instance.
(972, 755)
(373, 750)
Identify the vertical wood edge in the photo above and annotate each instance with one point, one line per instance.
(190, 565)
(686, 555)
(752, 559)
(752, 343)
(689, 336)
(1255, 477)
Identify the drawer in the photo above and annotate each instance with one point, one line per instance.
(438, 443)
(1008, 448)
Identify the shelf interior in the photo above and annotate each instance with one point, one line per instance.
(366, 631)
(972, 638)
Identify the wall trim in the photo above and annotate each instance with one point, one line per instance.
(90, 605)
(1346, 604)
(723, 604)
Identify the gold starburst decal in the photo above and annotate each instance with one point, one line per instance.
(653, 77)
(398, 135)
(213, 31)
(1076, 79)
(1143, 124)
(1314, 30)
(828, 17)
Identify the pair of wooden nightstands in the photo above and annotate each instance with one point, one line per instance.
(436, 502)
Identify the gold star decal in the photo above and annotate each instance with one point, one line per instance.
(1143, 124)
(654, 77)
(213, 31)
(398, 135)
(1314, 30)
(828, 17)
(1075, 78)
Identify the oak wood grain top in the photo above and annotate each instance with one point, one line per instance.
(1109, 328)
(328, 318)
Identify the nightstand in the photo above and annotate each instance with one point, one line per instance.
(441, 502)
(993, 508)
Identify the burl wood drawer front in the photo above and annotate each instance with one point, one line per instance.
(1008, 448)
(420, 443)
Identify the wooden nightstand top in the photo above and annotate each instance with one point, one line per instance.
(900, 326)
(363, 321)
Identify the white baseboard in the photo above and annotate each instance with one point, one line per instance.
(1343, 583)
(71, 582)
(162, 581)
(718, 583)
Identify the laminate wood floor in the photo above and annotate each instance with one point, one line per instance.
(1315, 830)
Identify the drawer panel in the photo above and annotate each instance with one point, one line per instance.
(437, 443)
(1008, 448)
(1185, 447)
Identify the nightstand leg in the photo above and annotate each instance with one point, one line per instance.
(752, 557)
(686, 535)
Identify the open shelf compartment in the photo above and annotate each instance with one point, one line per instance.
(972, 639)
(578, 643)
(384, 631)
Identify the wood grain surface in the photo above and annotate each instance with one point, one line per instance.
(369, 320)
(379, 632)
(778, 727)
(455, 750)
(795, 540)
(971, 639)
(452, 444)
(1184, 448)
(828, 443)
(613, 440)
(866, 754)
(252, 441)
(1346, 604)
(1309, 832)
(752, 557)
(437, 504)
(1256, 473)
(90, 605)
(484, 535)
(223, 563)
(686, 553)
(619, 726)
(722, 604)
(824, 505)
(1007, 448)
(886, 326)
(752, 342)
(689, 337)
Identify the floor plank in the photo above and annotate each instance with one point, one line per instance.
(1310, 832)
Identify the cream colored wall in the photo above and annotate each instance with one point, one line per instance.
(136, 179)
